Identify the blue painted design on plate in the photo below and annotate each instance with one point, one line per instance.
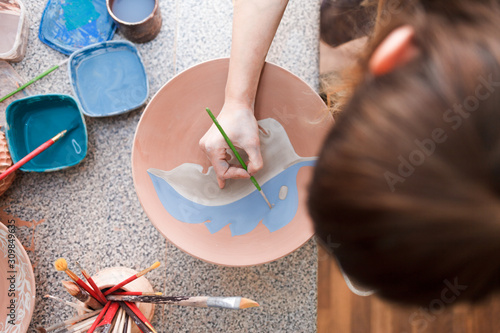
(33, 120)
(69, 25)
(242, 215)
(108, 78)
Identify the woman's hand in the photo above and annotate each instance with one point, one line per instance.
(240, 125)
(254, 24)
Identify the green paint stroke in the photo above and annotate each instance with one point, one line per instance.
(78, 13)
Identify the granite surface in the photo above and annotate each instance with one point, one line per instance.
(90, 213)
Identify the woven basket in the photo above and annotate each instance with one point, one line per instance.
(5, 163)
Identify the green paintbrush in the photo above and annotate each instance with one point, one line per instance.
(48, 71)
(252, 178)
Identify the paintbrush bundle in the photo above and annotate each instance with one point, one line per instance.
(120, 311)
(111, 318)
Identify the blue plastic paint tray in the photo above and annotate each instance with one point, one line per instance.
(108, 78)
(69, 25)
(33, 120)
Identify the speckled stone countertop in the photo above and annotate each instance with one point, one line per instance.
(90, 213)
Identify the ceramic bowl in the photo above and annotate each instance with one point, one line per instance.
(18, 277)
(167, 136)
(108, 78)
(33, 120)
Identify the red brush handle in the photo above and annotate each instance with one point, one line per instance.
(28, 157)
(99, 317)
(121, 284)
(108, 318)
(95, 287)
(89, 290)
(138, 312)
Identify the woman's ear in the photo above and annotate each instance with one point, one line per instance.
(396, 50)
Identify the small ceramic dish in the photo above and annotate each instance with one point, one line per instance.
(16, 274)
(33, 120)
(108, 78)
(14, 30)
(67, 26)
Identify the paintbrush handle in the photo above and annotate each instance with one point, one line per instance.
(97, 290)
(141, 316)
(142, 326)
(48, 71)
(228, 141)
(89, 290)
(195, 301)
(132, 278)
(110, 314)
(82, 284)
(125, 326)
(99, 317)
(31, 155)
(121, 284)
(94, 287)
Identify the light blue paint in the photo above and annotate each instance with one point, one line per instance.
(69, 25)
(77, 17)
(132, 11)
(33, 120)
(108, 78)
(242, 215)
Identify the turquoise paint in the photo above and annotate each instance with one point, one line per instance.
(108, 78)
(242, 215)
(78, 16)
(132, 11)
(69, 25)
(33, 120)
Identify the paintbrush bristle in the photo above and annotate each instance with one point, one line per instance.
(147, 270)
(80, 267)
(61, 264)
(73, 125)
(72, 288)
(246, 303)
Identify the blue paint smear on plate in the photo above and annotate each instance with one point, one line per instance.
(242, 215)
(33, 120)
(68, 25)
(108, 78)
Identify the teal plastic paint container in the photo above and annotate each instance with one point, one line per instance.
(33, 120)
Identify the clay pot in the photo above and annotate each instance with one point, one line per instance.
(142, 31)
(109, 277)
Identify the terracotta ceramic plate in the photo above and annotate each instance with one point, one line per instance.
(168, 134)
(23, 284)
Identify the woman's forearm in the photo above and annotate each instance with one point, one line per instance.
(254, 25)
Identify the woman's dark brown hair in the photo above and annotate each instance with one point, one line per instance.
(408, 181)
